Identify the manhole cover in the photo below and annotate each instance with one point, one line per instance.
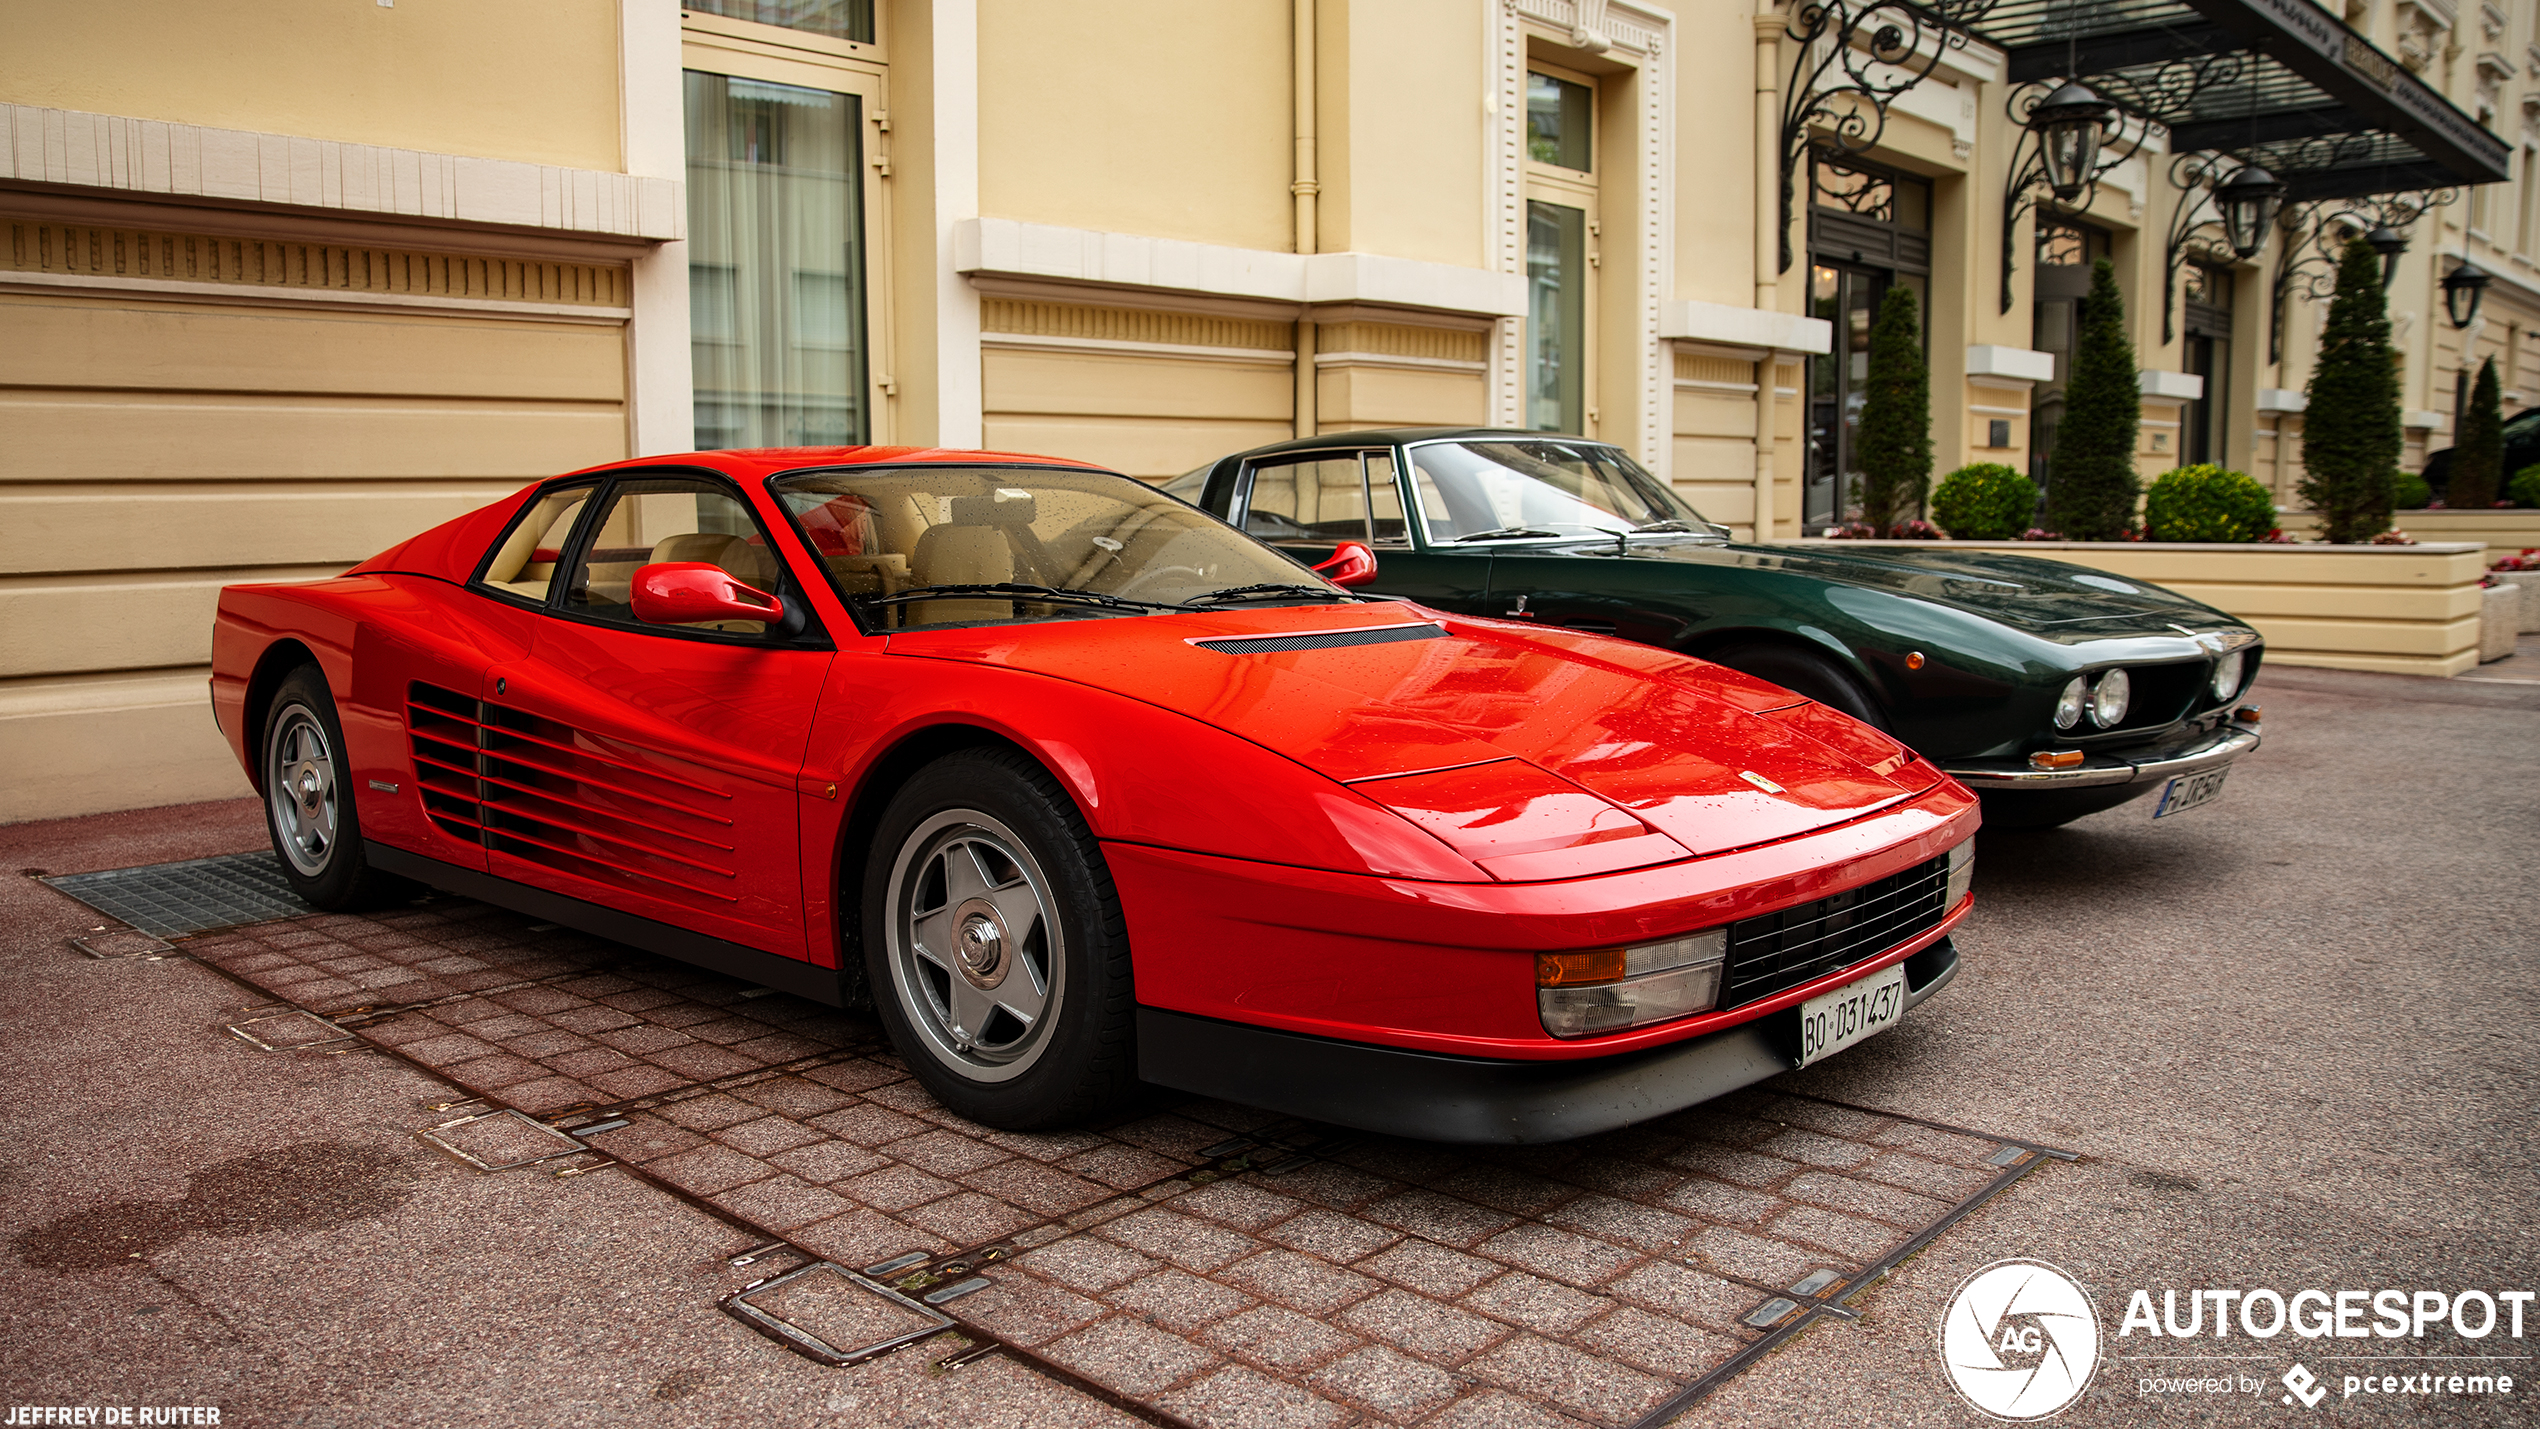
(173, 899)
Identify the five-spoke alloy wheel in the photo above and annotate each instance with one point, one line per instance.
(994, 943)
(976, 956)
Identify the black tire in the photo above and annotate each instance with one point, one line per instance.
(1011, 1029)
(309, 805)
(1802, 673)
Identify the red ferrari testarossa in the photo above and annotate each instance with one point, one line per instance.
(1081, 786)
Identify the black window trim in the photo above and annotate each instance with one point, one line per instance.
(1366, 488)
(812, 636)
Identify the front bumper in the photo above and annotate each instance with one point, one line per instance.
(1490, 1101)
(2100, 770)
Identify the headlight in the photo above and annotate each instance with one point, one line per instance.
(2068, 705)
(2108, 698)
(1962, 872)
(1609, 989)
(2227, 674)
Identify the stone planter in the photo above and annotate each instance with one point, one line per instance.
(2530, 583)
(2505, 531)
(2500, 619)
(2413, 610)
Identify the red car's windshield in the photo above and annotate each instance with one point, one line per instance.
(933, 545)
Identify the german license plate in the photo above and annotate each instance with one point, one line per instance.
(1832, 1021)
(2189, 790)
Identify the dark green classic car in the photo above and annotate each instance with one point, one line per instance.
(2052, 690)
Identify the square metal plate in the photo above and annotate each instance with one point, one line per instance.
(501, 1140)
(834, 1315)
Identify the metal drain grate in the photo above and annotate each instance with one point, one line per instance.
(173, 899)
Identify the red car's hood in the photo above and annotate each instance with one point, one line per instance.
(1709, 757)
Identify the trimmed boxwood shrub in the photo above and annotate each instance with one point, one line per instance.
(1986, 502)
(2408, 491)
(2524, 490)
(1895, 417)
(2350, 429)
(2091, 485)
(2207, 503)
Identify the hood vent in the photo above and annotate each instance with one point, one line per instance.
(1320, 640)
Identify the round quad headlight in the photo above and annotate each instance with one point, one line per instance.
(2068, 705)
(2227, 673)
(2108, 698)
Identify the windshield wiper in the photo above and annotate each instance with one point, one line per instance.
(1671, 524)
(1243, 592)
(1015, 589)
(1506, 533)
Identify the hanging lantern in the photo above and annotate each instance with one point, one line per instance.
(2069, 124)
(2248, 200)
(2390, 243)
(2463, 289)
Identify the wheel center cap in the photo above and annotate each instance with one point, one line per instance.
(980, 944)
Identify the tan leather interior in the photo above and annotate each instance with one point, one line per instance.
(512, 570)
(962, 555)
(751, 565)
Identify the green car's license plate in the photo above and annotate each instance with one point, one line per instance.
(2189, 790)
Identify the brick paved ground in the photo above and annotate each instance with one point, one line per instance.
(1378, 1281)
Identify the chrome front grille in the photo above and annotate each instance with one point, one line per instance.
(1782, 950)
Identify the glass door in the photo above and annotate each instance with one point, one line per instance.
(775, 264)
(788, 299)
(1847, 298)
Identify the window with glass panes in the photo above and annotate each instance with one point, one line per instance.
(1561, 233)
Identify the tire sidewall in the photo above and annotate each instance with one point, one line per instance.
(1067, 1073)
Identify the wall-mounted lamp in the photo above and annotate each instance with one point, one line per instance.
(2464, 288)
(2069, 124)
(2249, 200)
(2389, 243)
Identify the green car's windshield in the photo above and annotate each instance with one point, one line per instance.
(1476, 490)
(950, 545)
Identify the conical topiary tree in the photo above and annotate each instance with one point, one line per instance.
(2091, 481)
(2478, 452)
(2350, 424)
(1896, 417)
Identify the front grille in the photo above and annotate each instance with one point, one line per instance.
(1784, 949)
(1326, 640)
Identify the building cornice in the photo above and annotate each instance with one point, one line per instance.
(74, 149)
(1005, 248)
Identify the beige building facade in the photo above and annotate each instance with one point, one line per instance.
(286, 281)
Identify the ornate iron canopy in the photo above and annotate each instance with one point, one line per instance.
(2279, 84)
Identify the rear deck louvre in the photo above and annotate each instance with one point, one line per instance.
(538, 790)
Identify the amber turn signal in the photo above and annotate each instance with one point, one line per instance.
(1573, 969)
(2055, 759)
(2248, 714)
(1913, 659)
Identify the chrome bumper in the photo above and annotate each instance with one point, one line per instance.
(2228, 744)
